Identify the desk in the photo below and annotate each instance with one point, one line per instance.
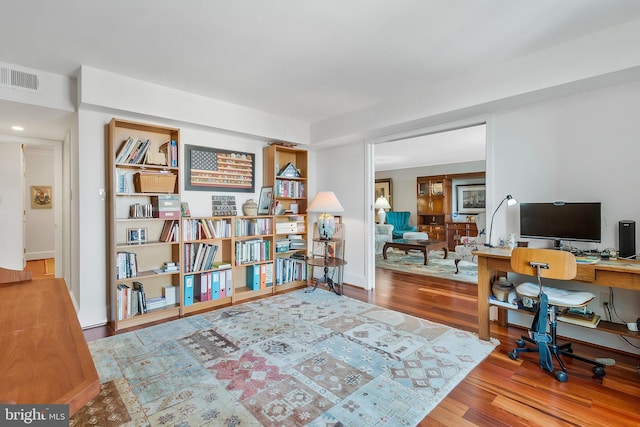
(44, 358)
(622, 274)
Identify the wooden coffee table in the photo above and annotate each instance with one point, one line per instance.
(423, 246)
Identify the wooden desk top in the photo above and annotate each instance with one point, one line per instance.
(621, 273)
(44, 358)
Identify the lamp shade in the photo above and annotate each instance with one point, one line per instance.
(327, 203)
(382, 203)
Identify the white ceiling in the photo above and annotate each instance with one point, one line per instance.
(307, 60)
(455, 146)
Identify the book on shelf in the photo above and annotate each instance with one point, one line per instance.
(589, 320)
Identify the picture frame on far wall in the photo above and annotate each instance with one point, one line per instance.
(266, 199)
(384, 189)
(471, 199)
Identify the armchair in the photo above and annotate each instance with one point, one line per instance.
(400, 222)
(384, 233)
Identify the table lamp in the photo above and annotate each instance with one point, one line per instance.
(510, 202)
(326, 203)
(382, 204)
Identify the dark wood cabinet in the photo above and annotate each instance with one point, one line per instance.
(434, 204)
(456, 230)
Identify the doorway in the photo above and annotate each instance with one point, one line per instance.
(401, 158)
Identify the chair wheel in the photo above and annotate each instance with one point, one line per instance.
(513, 355)
(598, 371)
(520, 343)
(561, 376)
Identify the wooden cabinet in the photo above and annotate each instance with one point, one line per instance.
(456, 230)
(285, 168)
(435, 232)
(141, 195)
(434, 204)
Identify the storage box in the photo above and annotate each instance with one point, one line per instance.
(154, 182)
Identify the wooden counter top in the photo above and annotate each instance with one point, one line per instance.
(44, 357)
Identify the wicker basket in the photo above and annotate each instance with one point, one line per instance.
(146, 182)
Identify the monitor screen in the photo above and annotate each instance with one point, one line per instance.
(561, 221)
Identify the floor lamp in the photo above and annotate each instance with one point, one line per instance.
(510, 202)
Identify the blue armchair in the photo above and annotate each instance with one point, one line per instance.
(400, 222)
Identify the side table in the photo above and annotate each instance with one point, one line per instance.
(326, 262)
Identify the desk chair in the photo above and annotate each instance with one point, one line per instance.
(552, 264)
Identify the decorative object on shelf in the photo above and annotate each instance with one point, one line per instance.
(41, 197)
(381, 204)
(326, 203)
(510, 202)
(223, 206)
(266, 198)
(383, 189)
(184, 209)
(136, 235)
(471, 199)
(250, 207)
(156, 158)
(289, 171)
(212, 169)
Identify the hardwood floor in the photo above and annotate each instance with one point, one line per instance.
(501, 391)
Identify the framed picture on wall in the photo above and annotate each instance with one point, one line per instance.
(471, 199)
(41, 197)
(383, 189)
(212, 169)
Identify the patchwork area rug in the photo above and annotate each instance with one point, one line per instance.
(413, 262)
(315, 359)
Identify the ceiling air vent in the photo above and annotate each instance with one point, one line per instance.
(13, 78)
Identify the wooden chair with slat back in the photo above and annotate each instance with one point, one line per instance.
(11, 276)
(549, 264)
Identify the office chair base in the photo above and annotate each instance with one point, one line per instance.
(556, 351)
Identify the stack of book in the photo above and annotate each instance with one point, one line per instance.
(590, 320)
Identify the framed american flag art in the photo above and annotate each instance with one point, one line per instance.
(212, 169)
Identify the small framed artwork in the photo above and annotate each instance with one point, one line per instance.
(41, 197)
(136, 235)
(383, 189)
(471, 199)
(266, 198)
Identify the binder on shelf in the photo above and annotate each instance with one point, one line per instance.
(215, 285)
(188, 290)
(253, 277)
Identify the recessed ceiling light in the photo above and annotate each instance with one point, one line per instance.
(18, 128)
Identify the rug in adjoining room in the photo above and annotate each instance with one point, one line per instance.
(413, 262)
(295, 359)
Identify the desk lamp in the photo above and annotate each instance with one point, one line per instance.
(382, 204)
(510, 202)
(326, 203)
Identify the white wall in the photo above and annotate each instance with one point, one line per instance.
(11, 205)
(342, 170)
